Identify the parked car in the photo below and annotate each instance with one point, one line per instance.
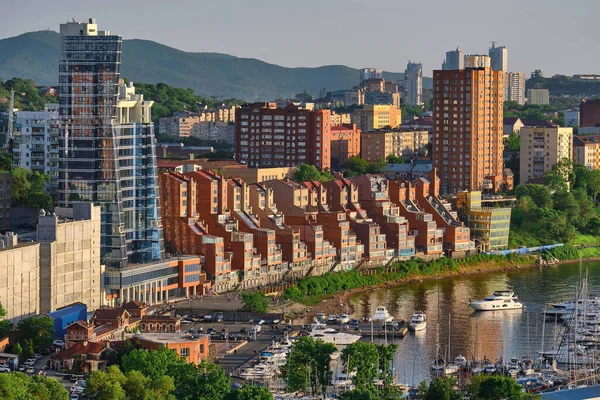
(208, 318)
(354, 322)
(4, 368)
(58, 343)
(75, 396)
(389, 324)
(243, 330)
(219, 317)
(29, 371)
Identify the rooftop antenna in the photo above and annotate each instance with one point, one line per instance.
(493, 44)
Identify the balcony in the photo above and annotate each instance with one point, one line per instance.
(434, 249)
(464, 246)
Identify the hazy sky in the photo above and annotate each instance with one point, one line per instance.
(556, 36)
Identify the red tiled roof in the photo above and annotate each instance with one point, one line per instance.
(133, 305)
(81, 323)
(109, 313)
(79, 348)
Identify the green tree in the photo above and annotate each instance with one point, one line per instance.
(106, 385)
(5, 161)
(368, 359)
(307, 172)
(40, 330)
(256, 302)
(18, 349)
(556, 178)
(139, 387)
(308, 364)
(19, 187)
(512, 142)
(18, 386)
(394, 159)
(494, 387)
(211, 382)
(4, 323)
(593, 184)
(206, 381)
(442, 389)
(248, 392)
(153, 364)
(356, 166)
(377, 166)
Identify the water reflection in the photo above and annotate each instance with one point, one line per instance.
(492, 334)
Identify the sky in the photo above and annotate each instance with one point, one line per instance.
(556, 36)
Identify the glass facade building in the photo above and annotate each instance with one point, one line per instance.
(107, 146)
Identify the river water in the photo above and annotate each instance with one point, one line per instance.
(493, 334)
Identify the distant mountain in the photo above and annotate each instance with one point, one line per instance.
(34, 55)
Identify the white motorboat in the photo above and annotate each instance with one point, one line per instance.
(382, 314)
(450, 369)
(330, 335)
(418, 322)
(460, 360)
(258, 372)
(500, 300)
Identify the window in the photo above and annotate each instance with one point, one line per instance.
(184, 352)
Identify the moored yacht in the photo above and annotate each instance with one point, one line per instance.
(330, 335)
(382, 314)
(418, 322)
(500, 300)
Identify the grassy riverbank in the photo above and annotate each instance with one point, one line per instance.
(572, 253)
(312, 290)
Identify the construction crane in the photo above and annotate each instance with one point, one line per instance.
(11, 107)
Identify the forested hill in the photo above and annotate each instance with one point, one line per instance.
(34, 55)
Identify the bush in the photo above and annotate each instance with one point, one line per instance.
(309, 289)
(256, 302)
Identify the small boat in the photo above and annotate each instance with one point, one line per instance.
(500, 300)
(382, 314)
(460, 360)
(450, 369)
(438, 364)
(490, 369)
(418, 322)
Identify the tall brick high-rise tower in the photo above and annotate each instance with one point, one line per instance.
(467, 129)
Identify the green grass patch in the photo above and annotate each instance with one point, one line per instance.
(581, 238)
(313, 289)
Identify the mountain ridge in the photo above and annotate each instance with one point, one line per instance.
(34, 55)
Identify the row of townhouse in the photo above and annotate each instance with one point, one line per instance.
(280, 230)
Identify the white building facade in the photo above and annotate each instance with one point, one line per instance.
(35, 143)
